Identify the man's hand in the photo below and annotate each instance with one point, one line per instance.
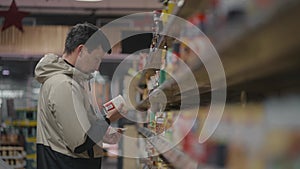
(113, 135)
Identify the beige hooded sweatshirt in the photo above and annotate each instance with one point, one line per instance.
(66, 120)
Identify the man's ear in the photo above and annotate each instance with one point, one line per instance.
(79, 49)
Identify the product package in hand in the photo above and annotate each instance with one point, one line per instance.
(117, 103)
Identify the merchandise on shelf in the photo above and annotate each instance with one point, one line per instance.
(25, 128)
(243, 138)
(14, 156)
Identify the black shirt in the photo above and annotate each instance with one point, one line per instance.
(49, 159)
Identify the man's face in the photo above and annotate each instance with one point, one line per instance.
(88, 62)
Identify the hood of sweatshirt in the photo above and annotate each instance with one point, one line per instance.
(52, 64)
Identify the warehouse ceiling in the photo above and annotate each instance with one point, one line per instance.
(104, 7)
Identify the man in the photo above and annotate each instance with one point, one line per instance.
(69, 130)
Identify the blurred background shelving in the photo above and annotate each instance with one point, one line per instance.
(23, 123)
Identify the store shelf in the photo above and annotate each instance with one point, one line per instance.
(31, 139)
(256, 67)
(260, 60)
(14, 156)
(23, 123)
(9, 140)
(173, 156)
(181, 10)
(19, 165)
(11, 147)
(31, 156)
(277, 56)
